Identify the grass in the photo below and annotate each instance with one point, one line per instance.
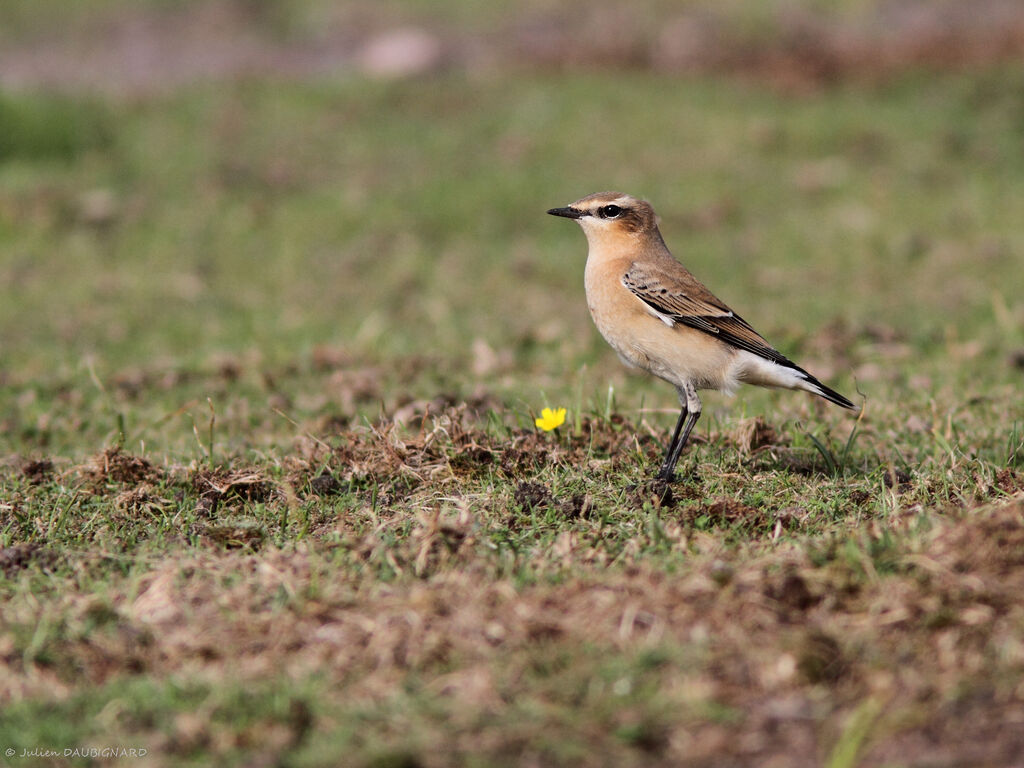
(271, 489)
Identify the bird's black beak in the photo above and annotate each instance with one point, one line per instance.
(568, 212)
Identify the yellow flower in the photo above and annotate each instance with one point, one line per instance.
(550, 419)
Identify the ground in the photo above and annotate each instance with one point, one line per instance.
(275, 336)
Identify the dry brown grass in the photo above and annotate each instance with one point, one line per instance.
(924, 631)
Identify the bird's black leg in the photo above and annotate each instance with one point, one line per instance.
(665, 473)
(689, 414)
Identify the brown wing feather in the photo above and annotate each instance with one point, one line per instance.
(683, 299)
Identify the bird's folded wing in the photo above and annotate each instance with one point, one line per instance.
(684, 300)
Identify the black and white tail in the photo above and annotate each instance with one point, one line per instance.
(814, 386)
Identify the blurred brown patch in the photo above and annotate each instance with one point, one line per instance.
(1009, 481)
(821, 658)
(794, 46)
(792, 592)
(354, 386)
(711, 216)
(440, 539)
(798, 47)
(131, 383)
(240, 535)
(19, 556)
(37, 472)
(991, 546)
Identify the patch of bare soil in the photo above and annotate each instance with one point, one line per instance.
(157, 47)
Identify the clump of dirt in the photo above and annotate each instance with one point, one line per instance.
(898, 479)
(325, 484)
(532, 496)
(525, 454)
(141, 498)
(860, 497)
(215, 486)
(577, 505)
(114, 465)
(426, 441)
(20, 556)
(432, 439)
(237, 535)
(38, 471)
(1009, 481)
(382, 453)
(731, 510)
(656, 492)
(802, 462)
(328, 358)
(473, 459)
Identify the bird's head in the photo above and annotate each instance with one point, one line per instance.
(609, 216)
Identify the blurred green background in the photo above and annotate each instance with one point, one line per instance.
(189, 187)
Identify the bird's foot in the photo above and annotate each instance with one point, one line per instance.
(654, 491)
(665, 475)
(658, 491)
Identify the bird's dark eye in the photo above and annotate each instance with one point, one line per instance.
(609, 211)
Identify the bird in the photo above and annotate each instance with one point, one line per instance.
(660, 318)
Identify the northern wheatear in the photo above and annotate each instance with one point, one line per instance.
(660, 318)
